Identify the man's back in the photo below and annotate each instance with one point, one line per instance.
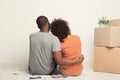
(42, 44)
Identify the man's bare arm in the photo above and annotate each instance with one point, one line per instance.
(61, 61)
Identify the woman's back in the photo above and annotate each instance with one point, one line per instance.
(71, 49)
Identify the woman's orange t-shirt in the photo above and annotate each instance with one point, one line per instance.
(71, 49)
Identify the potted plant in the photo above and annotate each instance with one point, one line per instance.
(103, 21)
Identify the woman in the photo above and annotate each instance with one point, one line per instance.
(70, 44)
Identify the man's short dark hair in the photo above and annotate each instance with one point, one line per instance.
(60, 29)
(41, 21)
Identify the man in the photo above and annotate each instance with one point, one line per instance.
(44, 48)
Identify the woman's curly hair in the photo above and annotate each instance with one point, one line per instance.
(60, 29)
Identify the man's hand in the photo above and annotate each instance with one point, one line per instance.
(81, 58)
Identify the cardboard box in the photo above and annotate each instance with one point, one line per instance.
(107, 36)
(114, 22)
(107, 59)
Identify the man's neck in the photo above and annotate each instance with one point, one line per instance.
(44, 31)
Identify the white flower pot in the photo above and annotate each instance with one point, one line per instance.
(103, 25)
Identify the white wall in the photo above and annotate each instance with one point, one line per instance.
(17, 21)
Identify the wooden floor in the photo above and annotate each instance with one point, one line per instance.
(20, 72)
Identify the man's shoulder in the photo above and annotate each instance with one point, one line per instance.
(46, 34)
(54, 37)
(33, 34)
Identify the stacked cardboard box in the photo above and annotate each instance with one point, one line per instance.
(107, 49)
(114, 22)
(107, 36)
(107, 59)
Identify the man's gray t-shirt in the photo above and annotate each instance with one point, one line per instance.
(42, 46)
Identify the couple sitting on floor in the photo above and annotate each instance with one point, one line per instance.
(59, 48)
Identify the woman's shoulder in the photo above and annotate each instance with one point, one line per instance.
(74, 36)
